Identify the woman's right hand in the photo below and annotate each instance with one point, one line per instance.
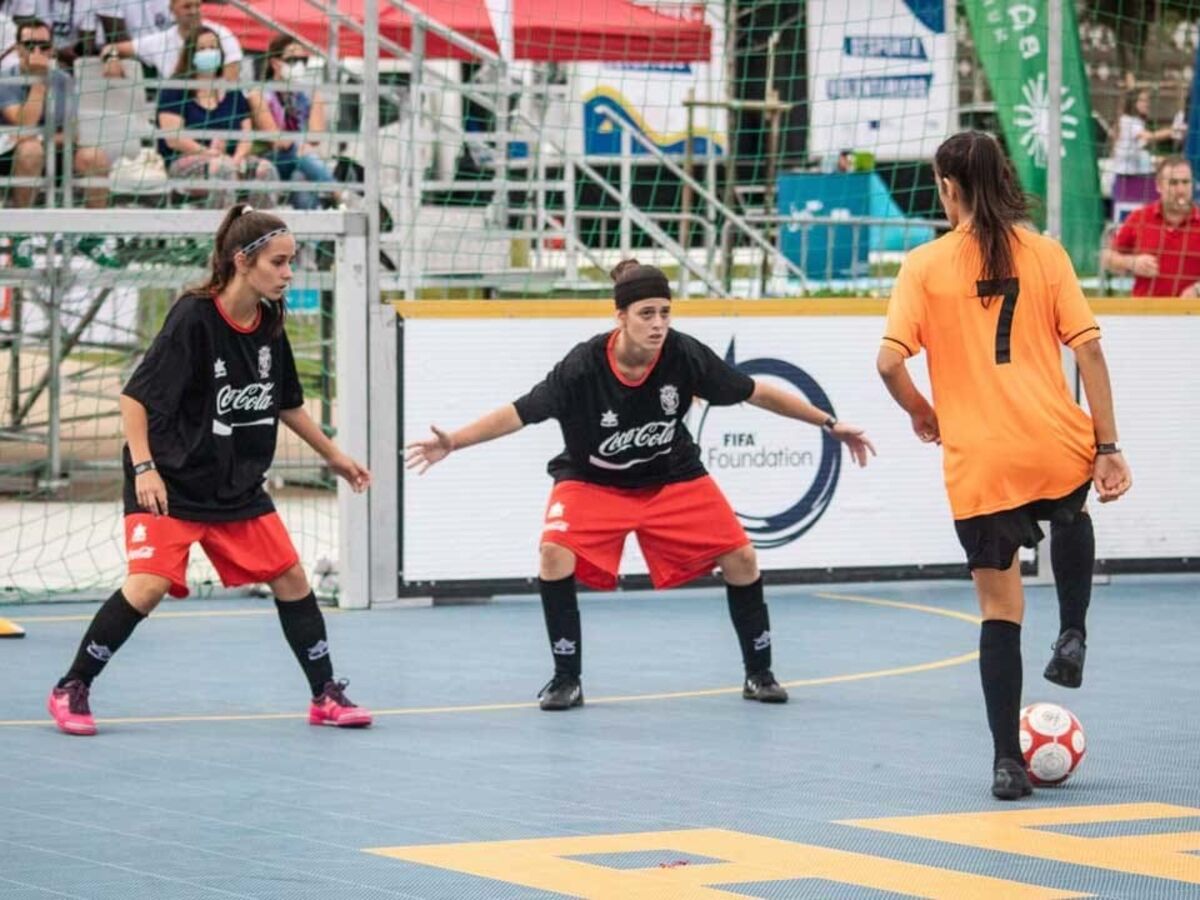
(421, 455)
(151, 492)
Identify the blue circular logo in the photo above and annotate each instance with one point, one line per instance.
(778, 528)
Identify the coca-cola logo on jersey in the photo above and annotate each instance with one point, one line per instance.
(254, 397)
(652, 434)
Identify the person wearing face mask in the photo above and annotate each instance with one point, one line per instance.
(161, 49)
(208, 108)
(1159, 244)
(631, 465)
(292, 111)
(201, 416)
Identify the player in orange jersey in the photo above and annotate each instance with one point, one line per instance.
(992, 303)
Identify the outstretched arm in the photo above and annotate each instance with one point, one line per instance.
(894, 372)
(421, 455)
(793, 406)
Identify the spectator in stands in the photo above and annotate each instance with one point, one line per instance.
(122, 20)
(1159, 244)
(72, 24)
(162, 49)
(24, 106)
(293, 111)
(214, 109)
(1133, 164)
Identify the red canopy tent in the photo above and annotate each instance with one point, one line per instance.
(543, 30)
(605, 30)
(468, 17)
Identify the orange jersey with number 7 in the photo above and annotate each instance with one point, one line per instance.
(1010, 427)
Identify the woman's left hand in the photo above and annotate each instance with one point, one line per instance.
(357, 476)
(855, 440)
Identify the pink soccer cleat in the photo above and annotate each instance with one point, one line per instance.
(68, 705)
(333, 707)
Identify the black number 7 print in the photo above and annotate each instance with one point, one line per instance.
(1008, 288)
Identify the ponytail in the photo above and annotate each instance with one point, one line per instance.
(974, 160)
(243, 230)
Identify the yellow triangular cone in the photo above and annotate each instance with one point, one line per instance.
(10, 629)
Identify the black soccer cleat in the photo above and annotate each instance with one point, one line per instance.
(563, 691)
(1066, 665)
(1010, 781)
(763, 687)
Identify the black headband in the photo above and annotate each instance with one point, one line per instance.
(642, 283)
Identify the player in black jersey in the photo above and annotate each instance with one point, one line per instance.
(630, 465)
(201, 415)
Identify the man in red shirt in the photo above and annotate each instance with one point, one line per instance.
(1159, 244)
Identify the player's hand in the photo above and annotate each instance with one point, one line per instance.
(1111, 475)
(855, 440)
(925, 426)
(357, 476)
(421, 455)
(1145, 265)
(151, 492)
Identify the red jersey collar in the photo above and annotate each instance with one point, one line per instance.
(234, 325)
(610, 352)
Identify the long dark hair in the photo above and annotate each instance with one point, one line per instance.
(240, 227)
(185, 67)
(279, 43)
(974, 160)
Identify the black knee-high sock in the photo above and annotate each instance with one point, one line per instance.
(304, 628)
(561, 608)
(1000, 672)
(1073, 559)
(753, 625)
(111, 627)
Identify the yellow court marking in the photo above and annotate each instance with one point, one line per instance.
(554, 864)
(1025, 832)
(798, 306)
(957, 660)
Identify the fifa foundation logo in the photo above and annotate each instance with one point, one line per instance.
(779, 474)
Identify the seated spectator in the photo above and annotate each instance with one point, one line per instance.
(1133, 164)
(214, 109)
(1159, 244)
(294, 111)
(123, 20)
(162, 49)
(72, 25)
(24, 106)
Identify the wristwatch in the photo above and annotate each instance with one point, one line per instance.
(1106, 449)
(143, 467)
(827, 425)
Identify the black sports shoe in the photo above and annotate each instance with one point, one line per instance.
(763, 687)
(1066, 665)
(1010, 782)
(561, 692)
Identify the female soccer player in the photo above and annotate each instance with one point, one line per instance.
(201, 414)
(992, 303)
(631, 465)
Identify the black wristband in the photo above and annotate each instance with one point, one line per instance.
(827, 425)
(1107, 449)
(143, 467)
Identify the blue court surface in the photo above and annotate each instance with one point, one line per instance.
(207, 782)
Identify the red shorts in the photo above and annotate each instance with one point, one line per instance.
(682, 528)
(244, 552)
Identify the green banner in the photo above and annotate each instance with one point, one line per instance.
(1010, 39)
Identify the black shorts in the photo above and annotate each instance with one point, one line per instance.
(991, 540)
